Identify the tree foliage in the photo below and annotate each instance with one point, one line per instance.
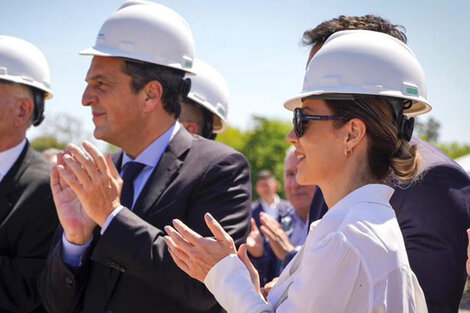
(264, 145)
(45, 142)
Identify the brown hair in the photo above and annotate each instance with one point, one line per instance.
(389, 158)
(320, 34)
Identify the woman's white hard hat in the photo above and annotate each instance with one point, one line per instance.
(362, 62)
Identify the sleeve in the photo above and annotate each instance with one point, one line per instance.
(323, 280)
(433, 216)
(224, 191)
(73, 254)
(20, 273)
(62, 286)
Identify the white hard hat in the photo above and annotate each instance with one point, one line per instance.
(21, 62)
(365, 62)
(210, 90)
(146, 31)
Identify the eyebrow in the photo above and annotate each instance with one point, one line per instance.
(97, 77)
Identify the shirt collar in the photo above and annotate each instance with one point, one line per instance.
(371, 193)
(9, 157)
(152, 154)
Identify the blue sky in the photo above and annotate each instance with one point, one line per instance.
(256, 46)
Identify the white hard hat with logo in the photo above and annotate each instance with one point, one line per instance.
(365, 62)
(210, 90)
(21, 62)
(148, 32)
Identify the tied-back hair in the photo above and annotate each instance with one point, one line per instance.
(390, 159)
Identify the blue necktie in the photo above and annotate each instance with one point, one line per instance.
(129, 173)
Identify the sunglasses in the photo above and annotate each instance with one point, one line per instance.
(300, 120)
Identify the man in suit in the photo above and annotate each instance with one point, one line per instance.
(204, 110)
(433, 213)
(27, 213)
(111, 255)
(261, 253)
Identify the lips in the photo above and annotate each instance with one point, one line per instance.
(300, 156)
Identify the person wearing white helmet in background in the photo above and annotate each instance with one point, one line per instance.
(350, 134)
(111, 255)
(204, 110)
(27, 214)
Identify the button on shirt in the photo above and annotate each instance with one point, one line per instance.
(9, 157)
(72, 254)
(354, 260)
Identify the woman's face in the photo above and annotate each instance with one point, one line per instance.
(320, 150)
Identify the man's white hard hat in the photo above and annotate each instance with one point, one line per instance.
(21, 62)
(148, 32)
(210, 90)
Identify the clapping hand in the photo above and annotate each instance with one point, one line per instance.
(196, 255)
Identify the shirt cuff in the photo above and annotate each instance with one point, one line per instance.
(72, 254)
(110, 219)
(230, 283)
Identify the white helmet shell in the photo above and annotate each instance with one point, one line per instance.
(367, 63)
(21, 62)
(148, 32)
(210, 90)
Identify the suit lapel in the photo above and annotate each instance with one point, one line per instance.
(164, 173)
(10, 181)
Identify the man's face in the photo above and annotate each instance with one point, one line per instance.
(114, 106)
(300, 196)
(266, 187)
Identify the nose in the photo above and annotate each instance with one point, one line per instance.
(89, 98)
(292, 137)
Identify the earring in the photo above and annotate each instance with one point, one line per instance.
(347, 152)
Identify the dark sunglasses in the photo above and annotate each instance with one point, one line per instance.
(300, 120)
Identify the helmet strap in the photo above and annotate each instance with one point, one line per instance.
(38, 97)
(405, 124)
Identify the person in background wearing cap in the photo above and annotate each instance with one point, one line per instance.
(349, 136)
(27, 214)
(111, 255)
(204, 110)
(433, 212)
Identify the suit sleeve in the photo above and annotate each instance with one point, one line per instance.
(61, 286)
(433, 218)
(19, 273)
(140, 250)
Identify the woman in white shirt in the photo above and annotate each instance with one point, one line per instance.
(351, 136)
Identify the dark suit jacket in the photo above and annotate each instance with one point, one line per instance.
(269, 266)
(27, 223)
(433, 215)
(129, 268)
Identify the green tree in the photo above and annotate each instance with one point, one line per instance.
(45, 142)
(428, 131)
(454, 149)
(265, 147)
(234, 138)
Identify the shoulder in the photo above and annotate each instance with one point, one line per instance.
(36, 169)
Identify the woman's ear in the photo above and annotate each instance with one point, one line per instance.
(152, 94)
(355, 133)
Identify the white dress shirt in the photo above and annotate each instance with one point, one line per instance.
(71, 253)
(271, 209)
(354, 260)
(9, 157)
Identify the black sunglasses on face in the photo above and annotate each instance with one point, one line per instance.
(300, 120)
